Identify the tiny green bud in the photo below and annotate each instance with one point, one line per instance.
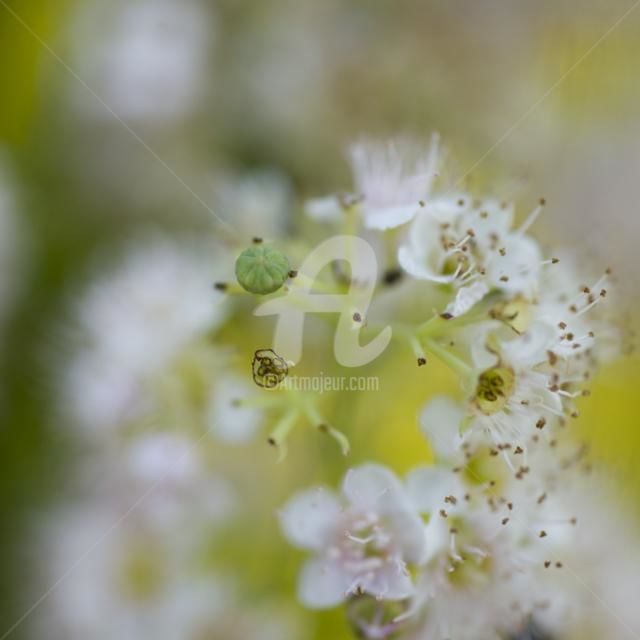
(262, 270)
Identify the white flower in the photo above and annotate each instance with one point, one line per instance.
(466, 585)
(229, 420)
(518, 386)
(363, 543)
(131, 323)
(179, 490)
(148, 58)
(456, 240)
(392, 179)
(573, 306)
(132, 583)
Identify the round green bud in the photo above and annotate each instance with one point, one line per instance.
(262, 269)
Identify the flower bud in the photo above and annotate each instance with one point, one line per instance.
(262, 270)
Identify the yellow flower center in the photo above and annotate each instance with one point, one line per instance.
(494, 388)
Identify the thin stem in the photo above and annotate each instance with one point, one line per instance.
(278, 436)
(453, 362)
(318, 421)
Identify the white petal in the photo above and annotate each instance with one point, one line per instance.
(391, 582)
(309, 519)
(466, 298)
(417, 267)
(407, 528)
(323, 584)
(521, 264)
(440, 423)
(325, 209)
(530, 348)
(372, 487)
(428, 487)
(389, 217)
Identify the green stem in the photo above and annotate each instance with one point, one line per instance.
(280, 433)
(453, 362)
(317, 421)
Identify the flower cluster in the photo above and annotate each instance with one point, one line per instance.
(487, 542)
(478, 544)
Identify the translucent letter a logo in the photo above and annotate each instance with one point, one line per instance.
(292, 307)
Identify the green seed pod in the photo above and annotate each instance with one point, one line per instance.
(262, 270)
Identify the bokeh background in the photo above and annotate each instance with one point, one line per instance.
(123, 118)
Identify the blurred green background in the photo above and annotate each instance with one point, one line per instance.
(549, 90)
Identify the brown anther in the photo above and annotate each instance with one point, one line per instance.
(502, 251)
(562, 325)
(504, 278)
(220, 286)
(471, 232)
(573, 308)
(555, 260)
(484, 214)
(421, 203)
(493, 452)
(272, 442)
(542, 498)
(541, 423)
(552, 357)
(453, 531)
(422, 361)
(357, 317)
(257, 240)
(574, 521)
(603, 293)
(461, 202)
(542, 202)
(505, 521)
(293, 273)
(451, 500)
(510, 506)
(558, 565)
(547, 564)
(443, 513)
(519, 450)
(542, 534)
